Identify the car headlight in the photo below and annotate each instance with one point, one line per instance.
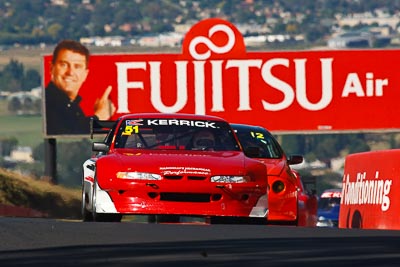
(138, 175)
(229, 179)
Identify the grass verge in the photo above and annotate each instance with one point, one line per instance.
(27, 129)
(54, 200)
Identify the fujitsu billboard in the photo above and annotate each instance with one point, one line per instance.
(284, 91)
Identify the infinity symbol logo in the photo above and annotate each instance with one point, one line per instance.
(211, 46)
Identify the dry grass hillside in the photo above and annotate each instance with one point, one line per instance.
(19, 194)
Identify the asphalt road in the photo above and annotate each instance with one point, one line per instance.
(44, 242)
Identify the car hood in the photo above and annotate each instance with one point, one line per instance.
(274, 166)
(181, 162)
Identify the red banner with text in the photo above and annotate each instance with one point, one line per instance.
(370, 191)
(284, 91)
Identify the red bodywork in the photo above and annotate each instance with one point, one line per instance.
(307, 204)
(283, 204)
(289, 202)
(182, 180)
(180, 193)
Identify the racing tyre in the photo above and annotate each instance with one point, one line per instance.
(86, 215)
(151, 218)
(167, 218)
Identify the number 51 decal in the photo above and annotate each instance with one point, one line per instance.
(129, 129)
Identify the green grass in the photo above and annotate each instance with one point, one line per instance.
(26, 129)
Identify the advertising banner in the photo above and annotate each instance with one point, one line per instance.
(284, 91)
(370, 192)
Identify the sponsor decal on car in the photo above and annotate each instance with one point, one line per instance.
(184, 170)
(200, 124)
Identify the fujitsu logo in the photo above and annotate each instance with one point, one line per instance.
(209, 43)
(215, 74)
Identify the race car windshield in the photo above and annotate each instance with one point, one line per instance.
(328, 203)
(263, 140)
(168, 134)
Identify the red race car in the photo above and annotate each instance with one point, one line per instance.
(171, 165)
(307, 203)
(289, 202)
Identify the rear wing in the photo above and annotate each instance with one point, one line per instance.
(100, 127)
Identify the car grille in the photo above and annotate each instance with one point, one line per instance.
(180, 177)
(189, 197)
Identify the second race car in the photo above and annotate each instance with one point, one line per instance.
(172, 164)
(289, 202)
(329, 207)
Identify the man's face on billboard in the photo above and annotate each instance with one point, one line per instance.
(69, 72)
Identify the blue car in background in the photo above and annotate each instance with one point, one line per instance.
(329, 207)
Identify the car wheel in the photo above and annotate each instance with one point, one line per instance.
(237, 220)
(151, 218)
(86, 215)
(167, 218)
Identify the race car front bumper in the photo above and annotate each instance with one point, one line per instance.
(241, 199)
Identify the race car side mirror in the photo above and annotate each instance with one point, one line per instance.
(294, 159)
(100, 147)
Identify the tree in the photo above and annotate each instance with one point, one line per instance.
(32, 79)
(358, 144)
(15, 69)
(14, 104)
(293, 144)
(38, 152)
(54, 30)
(13, 78)
(70, 157)
(7, 145)
(37, 106)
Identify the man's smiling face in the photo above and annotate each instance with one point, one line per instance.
(69, 72)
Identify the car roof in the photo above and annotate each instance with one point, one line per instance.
(332, 193)
(333, 190)
(172, 116)
(247, 126)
